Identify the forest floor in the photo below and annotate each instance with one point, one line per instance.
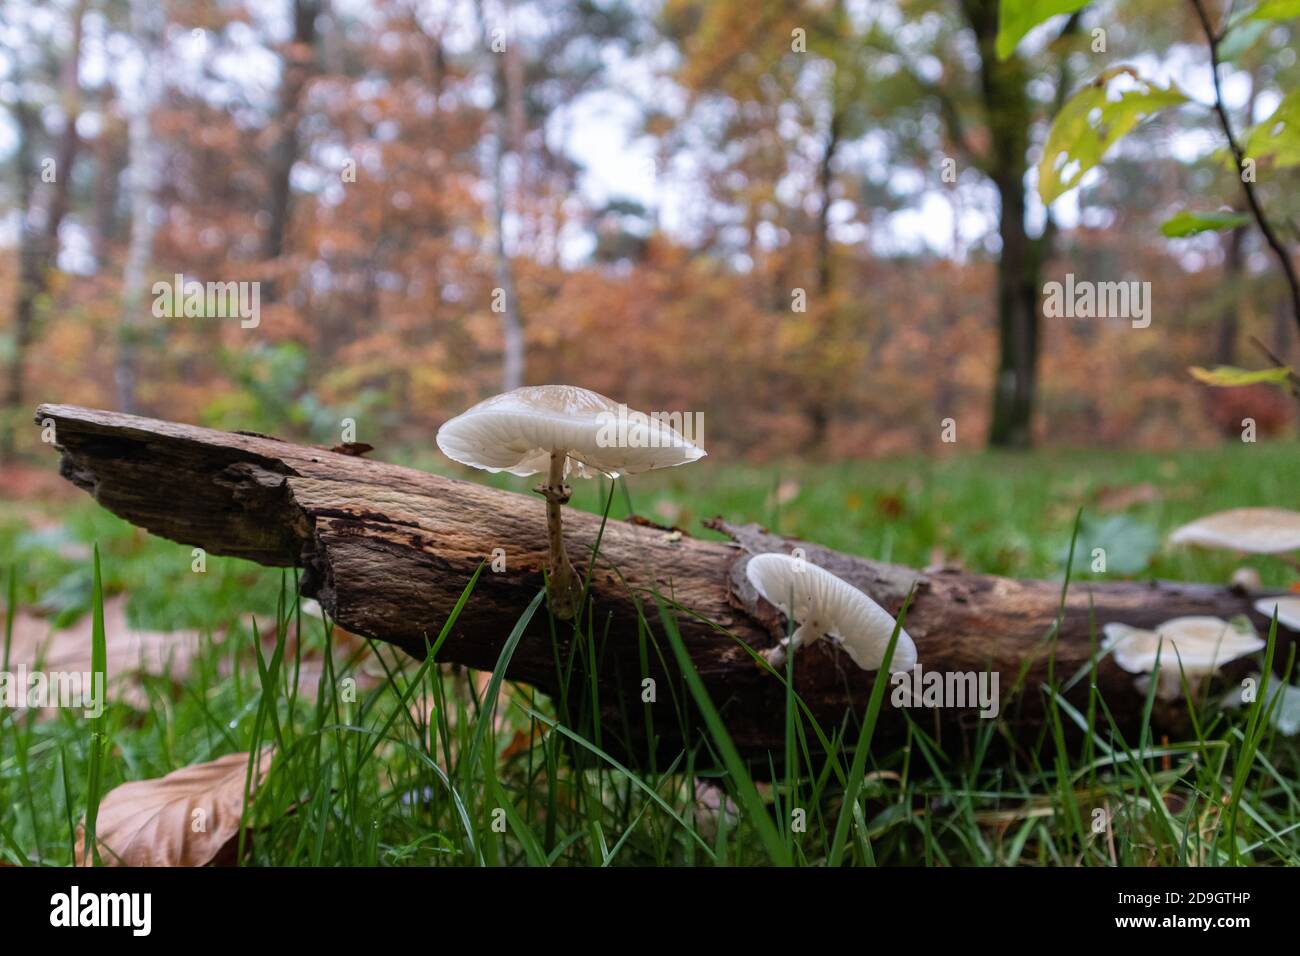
(416, 770)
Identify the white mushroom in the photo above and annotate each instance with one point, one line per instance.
(1246, 579)
(1288, 610)
(1199, 644)
(1255, 530)
(1284, 714)
(558, 429)
(824, 605)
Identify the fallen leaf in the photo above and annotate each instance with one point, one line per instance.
(940, 562)
(669, 510)
(890, 505)
(712, 806)
(348, 649)
(188, 818)
(787, 491)
(1122, 497)
(24, 483)
(131, 651)
(465, 684)
(523, 741)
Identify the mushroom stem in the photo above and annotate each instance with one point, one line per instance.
(805, 633)
(564, 588)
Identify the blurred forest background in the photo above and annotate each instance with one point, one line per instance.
(815, 222)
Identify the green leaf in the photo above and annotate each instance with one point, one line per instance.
(1017, 17)
(1278, 137)
(1276, 10)
(1230, 376)
(1091, 122)
(1184, 223)
(1129, 544)
(1241, 37)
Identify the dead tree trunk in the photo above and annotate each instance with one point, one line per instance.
(388, 551)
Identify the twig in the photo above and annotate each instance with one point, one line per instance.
(1288, 268)
(1292, 378)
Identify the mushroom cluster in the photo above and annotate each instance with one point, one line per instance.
(1193, 646)
(562, 430)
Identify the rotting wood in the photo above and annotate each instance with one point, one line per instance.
(388, 550)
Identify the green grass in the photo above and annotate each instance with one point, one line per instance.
(430, 768)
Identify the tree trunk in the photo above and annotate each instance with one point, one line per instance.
(38, 231)
(108, 162)
(507, 306)
(389, 550)
(142, 179)
(299, 65)
(1018, 279)
(819, 400)
(1225, 350)
(1009, 114)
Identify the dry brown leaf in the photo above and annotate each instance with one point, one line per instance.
(309, 663)
(188, 818)
(1123, 497)
(711, 805)
(130, 650)
(787, 491)
(367, 670)
(939, 562)
(424, 712)
(523, 741)
(24, 483)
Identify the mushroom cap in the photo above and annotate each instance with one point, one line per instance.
(833, 606)
(1256, 530)
(1288, 610)
(1201, 643)
(518, 430)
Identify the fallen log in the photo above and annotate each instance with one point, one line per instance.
(388, 551)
